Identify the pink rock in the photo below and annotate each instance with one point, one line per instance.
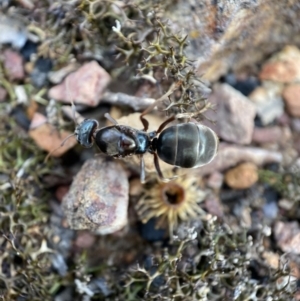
(268, 102)
(49, 138)
(287, 235)
(234, 114)
(283, 67)
(85, 85)
(214, 206)
(231, 155)
(215, 180)
(13, 64)
(37, 120)
(267, 135)
(291, 95)
(98, 197)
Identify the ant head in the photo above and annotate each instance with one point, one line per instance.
(84, 132)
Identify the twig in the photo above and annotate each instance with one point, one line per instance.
(137, 103)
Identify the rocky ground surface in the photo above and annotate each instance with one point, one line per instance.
(79, 225)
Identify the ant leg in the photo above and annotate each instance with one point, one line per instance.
(61, 145)
(157, 167)
(112, 120)
(144, 121)
(173, 88)
(159, 172)
(163, 125)
(142, 167)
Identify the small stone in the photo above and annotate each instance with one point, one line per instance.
(270, 210)
(21, 95)
(283, 67)
(267, 135)
(19, 114)
(39, 74)
(215, 180)
(268, 102)
(13, 64)
(85, 240)
(245, 217)
(295, 124)
(3, 94)
(234, 114)
(49, 138)
(61, 191)
(37, 120)
(98, 197)
(287, 235)
(272, 259)
(291, 95)
(28, 50)
(286, 204)
(12, 31)
(214, 206)
(85, 85)
(242, 177)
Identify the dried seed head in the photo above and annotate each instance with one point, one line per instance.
(172, 202)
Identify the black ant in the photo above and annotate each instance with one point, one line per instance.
(185, 145)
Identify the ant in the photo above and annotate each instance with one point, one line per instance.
(185, 145)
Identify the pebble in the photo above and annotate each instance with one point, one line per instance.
(85, 239)
(231, 155)
(215, 180)
(291, 95)
(98, 197)
(234, 114)
(272, 259)
(61, 191)
(39, 74)
(13, 65)
(12, 31)
(214, 206)
(49, 138)
(242, 176)
(295, 124)
(86, 85)
(21, 95)
(270, 210)
(28, 50)
(268, 102)
(287, 235)
(271, 134)
(283, 67)
(19, 114)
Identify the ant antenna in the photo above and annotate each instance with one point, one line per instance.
(72, 104)
(61, 145)
(75, 121)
